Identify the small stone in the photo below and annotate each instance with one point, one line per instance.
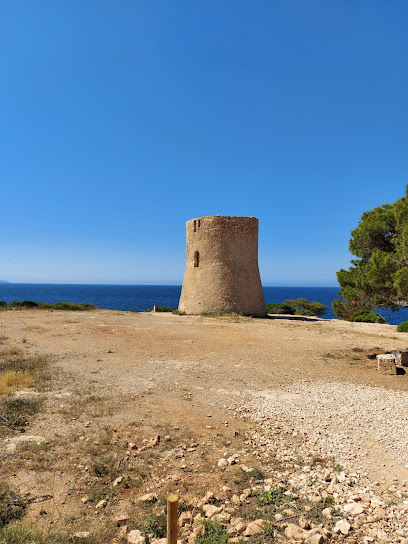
(208, 497)
(295, 532)
(85, 499)
(210, 510)
(233, 459)
(121, 520)
(149, 497)
(240, 527)
(184, 518)
(236, 500)
(222, 463)
(342, 526)
(81, 535)
(353, 509)
(303, 523)
(256, 527)
(117, 481)
(101, 504)
(316, 499)
(135, 537)
(317, 538)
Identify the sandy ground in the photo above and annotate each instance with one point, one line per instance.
(185, 373)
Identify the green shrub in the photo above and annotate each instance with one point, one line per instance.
(368, 317)
(257, 474)
(14, 413)
(403, 327)
(155, 525)
(304, 307)
(280, 308)
(161, 309)
(299, 306)
(3, 304)
(12, 505)
(24, 304)
(73, 306)
(274, 496)
(214, 533)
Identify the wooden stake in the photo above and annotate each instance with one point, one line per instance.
(172, 517)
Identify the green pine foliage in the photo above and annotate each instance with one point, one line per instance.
(378, 276)
(369, 317)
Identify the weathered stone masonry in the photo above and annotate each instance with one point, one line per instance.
(222, 267)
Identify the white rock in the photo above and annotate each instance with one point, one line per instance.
(326, 512)
(135, 537)
(149, 497)
(222, 463)
(117, 481)
(353, 509)
(210, 510)
(317, 538)
(256, 527)
(342, 526)
(295, 532)
(233, 459)
(81, 535)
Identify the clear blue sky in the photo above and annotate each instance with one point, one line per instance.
(122, 119)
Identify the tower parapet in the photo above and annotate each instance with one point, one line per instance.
(222, 271)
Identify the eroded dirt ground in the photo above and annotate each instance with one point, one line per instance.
(119, 379)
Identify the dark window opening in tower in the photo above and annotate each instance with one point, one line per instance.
(199, 223)
(195, 226)
(196, 259)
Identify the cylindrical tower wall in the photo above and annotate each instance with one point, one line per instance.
(222, 271)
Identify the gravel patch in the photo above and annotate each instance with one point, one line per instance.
(336, 418)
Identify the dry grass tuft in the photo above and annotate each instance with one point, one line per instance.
(12, 381)
(19, 371)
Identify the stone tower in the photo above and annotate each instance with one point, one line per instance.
(222, 267)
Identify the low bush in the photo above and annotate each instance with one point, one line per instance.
(72, 306)
(12, 505)
(214, 533)
(299, 306)
(304, 307)
(280, 308)
(274, 496)
(14, 413)
(162, 309)
(403, 327)
(368, 317)
(155, 525)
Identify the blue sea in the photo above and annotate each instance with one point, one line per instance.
(141, 297)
